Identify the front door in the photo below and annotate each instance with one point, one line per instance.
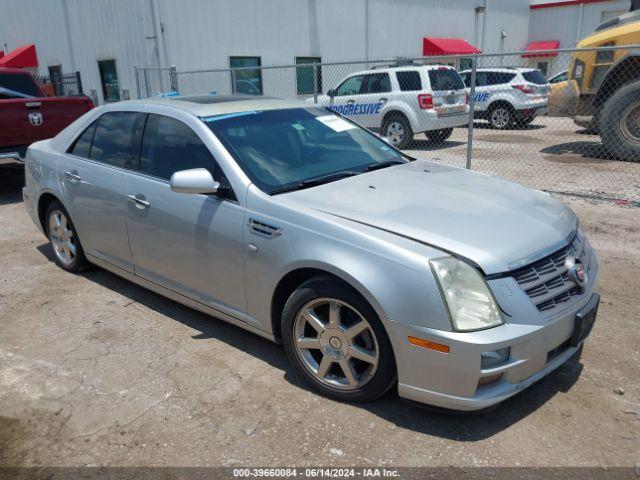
(191, 244)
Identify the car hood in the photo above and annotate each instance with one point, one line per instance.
(498, 225)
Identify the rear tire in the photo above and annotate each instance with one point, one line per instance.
(501, 116)
(339, 361)
(619, 122)
(439, 136)
(63, 238)
(397, 130)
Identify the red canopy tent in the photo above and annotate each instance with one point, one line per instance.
(21, 57)
(535, 47)
(447, 46)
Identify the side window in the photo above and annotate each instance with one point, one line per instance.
(169, 146)
(82, 146)
(376, 83)
(481, 79)
(409, 81)
(117, 139)
(351, 86)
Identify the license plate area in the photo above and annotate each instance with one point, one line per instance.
(584, 321)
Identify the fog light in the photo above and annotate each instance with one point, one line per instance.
(494, 357)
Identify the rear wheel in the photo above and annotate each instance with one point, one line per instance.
(67, 249)
(501, 116)
(439, 136)
(336, 341)
(620, 123)
(397, 130)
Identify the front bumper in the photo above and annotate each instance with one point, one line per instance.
(455, 380)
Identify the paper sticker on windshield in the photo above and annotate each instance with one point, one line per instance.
(297, 126)
(335, 123)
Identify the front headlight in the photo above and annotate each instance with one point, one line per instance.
(466, 295)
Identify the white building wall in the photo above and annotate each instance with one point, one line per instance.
(201, 34)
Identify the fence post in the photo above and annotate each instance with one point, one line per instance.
(472, 104)
(135, 70)
(79, 84)
(315, 83)
(174, 79)
(146, 82)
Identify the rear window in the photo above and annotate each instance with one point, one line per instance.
(19, 82)
(535, 76)
(445, 79)
(117, 139)
(409, 81)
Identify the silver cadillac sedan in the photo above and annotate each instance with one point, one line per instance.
(373, 269)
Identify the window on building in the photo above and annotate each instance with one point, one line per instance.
(409, 81)
(466, 63)
(247, 82)
(117, 139)
(109, 80)
(543, 67)
(376, 83)
(304, 75)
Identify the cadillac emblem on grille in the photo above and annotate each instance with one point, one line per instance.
(576, 271)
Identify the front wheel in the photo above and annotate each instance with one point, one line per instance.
(439, 136)
(397, 130)
(620, 123)
(336, 341)
(67, 249)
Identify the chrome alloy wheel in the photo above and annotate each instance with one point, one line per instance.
(630, 123)
(62, 237)
(336, 344)
(395, 132)
(500, 117)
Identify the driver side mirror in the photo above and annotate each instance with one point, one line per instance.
(196, 180)
(332, 92)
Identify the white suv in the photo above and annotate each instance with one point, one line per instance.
(400, 101)
(509, 96)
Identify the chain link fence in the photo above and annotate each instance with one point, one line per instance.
(62, 85)
(565, 121)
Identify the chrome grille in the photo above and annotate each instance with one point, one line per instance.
(547, 281)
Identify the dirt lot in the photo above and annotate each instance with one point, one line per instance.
(551, 153)
(97, 371)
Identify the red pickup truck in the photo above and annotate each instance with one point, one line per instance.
(27, 115)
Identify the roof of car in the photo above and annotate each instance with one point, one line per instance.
(209, 105)
(402, 67)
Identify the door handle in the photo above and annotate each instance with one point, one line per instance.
(350, 102)
(383, 100)
(72, 176)
(139, 200)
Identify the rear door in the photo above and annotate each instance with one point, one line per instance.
(191, 244)
(448, 90)
(92, 177)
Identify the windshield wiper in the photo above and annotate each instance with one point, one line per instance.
(388, 163)
(312, 182)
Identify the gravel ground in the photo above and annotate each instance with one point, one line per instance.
(97, 371)
(551, 153)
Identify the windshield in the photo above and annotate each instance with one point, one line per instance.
(280, 150)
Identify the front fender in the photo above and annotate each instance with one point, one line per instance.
(391, 272)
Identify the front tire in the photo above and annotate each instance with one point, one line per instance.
(397, 130)
(501, 117)
(63, 238)
(439, 136)
(620, 123)
(336, 342)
